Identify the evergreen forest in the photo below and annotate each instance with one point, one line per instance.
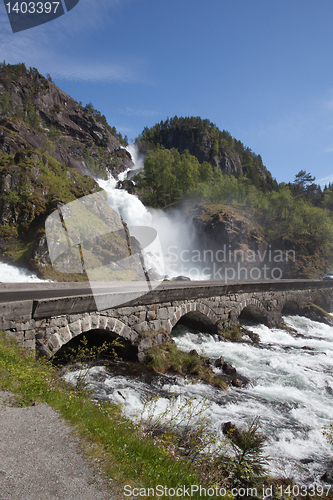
(299, 212)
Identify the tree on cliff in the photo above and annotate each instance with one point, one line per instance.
(207, 143)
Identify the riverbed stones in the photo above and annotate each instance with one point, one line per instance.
(218, 363)
(228, 368)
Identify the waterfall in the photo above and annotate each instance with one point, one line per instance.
(175, 233)
(175, 230)
(12, 274)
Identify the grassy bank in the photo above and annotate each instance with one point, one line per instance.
(127, 455)
(142, 455)
(166, 358)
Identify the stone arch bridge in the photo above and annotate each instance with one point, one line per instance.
(47, 324)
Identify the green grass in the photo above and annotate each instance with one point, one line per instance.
(127, 455)
(166, 358)
(126, 452)
(315, 312)
(19, 251)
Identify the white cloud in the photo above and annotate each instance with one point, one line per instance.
(55, 46)
(325, 180)
(90, 71)
(139, 112)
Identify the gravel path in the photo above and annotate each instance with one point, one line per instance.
(40, 457)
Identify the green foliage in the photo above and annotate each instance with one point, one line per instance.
(204, 140)
(12, 197)
(8, 232)
(5, 101)
(184, 429)
(16, 69)
(328, 432)
(166, 358)
(58, 107)
(124, 452)
(33, 117)
(54, 132)
(302, 179)
(242, 464)
(169, 176)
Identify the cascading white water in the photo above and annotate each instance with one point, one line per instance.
(174, 235)
(12, 274)
(290, 389)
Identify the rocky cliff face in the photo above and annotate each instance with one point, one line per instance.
(79, 135)
(50, 149)
(232, 246)
(200, 145)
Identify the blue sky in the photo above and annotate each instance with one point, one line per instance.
(261, 69)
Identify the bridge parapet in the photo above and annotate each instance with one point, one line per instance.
(48, 324)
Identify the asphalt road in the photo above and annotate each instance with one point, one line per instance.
(11, 292)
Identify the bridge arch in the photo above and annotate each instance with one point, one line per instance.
(291, 307)
(196, 315)
(323, 298)
(253, 310)
(92, 341)
(103, 326)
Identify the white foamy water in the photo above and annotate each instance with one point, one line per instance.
(163, 255)
(174, 234)
(12, 274)
(290, 389)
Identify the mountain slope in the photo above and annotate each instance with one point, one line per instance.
(202, 139)
(81, 136)
(51, 147)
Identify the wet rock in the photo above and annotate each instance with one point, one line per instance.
(315, 313)
(181, 278)
(228, 368)
(229, 429)
(327, 477)
(218, 363)
(126, 184)
(253, 336)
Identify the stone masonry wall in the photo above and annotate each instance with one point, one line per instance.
(133, 322)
